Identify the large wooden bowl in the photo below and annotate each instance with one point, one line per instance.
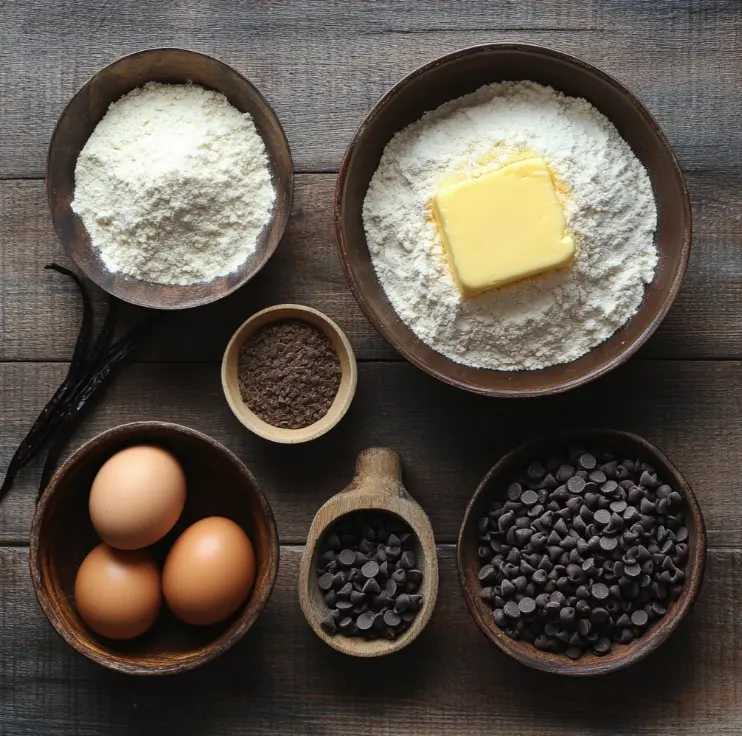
(458, 74)
(84, 112)
(498, 479)
(218, 484)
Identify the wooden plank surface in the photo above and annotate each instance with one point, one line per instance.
(704, 322)
(282, 679)
(322, 65)
(448, 439)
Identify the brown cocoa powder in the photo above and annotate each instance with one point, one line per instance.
(289, 373)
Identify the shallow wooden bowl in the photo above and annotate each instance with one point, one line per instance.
(459, 74)
(376, 485)
(502, 475)
(219, 484)
(84, 112)
(346, 390)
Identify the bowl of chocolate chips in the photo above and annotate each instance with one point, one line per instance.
(580, 554)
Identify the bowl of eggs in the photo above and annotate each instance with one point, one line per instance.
(153, 550)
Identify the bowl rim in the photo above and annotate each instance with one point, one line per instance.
(280, 227)
(311, 431)
(244, 621)
(366, 304)
(682, 607)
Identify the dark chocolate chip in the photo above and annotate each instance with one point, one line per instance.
(639, 618)
(347, 557)
(400, 576)
(602, 517)
(514, 491)
(608, 544)
(587, 462)
(392, 618)
(529, 498)
(512, 610)
(599, 591)
(576, 484)
(371, 587)
(487, 575)
(402, 603)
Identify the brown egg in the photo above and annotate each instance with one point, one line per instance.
(209, 572)
(117, 592)
(137, 496)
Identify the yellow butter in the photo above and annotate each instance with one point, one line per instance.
(502, 227)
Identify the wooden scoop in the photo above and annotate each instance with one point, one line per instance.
(377, 485)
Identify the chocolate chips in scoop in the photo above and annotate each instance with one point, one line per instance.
(583, 552)
(368, 576)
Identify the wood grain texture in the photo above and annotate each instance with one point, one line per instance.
(282, 679)
(323, 65)
(447, 438)
(305, 269)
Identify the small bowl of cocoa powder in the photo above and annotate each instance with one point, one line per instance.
(289, 373)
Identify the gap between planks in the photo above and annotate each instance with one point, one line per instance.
(371, 361)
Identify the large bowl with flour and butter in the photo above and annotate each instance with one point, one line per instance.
(192, 202)
(596, 175)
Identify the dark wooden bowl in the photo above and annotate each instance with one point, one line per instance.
(622, 655)
(219, 484)
(84, 112)
(458, 74)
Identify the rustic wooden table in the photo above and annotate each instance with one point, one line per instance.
(322, 65)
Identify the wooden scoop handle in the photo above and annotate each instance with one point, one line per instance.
(378, 472)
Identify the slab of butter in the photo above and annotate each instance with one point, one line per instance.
(502, 227)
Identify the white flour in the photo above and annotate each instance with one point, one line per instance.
(609, 209)
(173, 185)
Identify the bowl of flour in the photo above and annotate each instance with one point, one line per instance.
(170, 179)
(621, 190)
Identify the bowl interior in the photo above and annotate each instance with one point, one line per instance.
(497, 480)
(84, 112)
(343, 398)
(218, 484)
(356, 646)
(459, 74)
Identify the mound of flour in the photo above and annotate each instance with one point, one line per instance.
(609, 209)
(173, 186)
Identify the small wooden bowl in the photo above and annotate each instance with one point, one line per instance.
(461, 73)
(85, 111)
(376, 485)
(219, 484)
(346, 390)
(622, 655)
